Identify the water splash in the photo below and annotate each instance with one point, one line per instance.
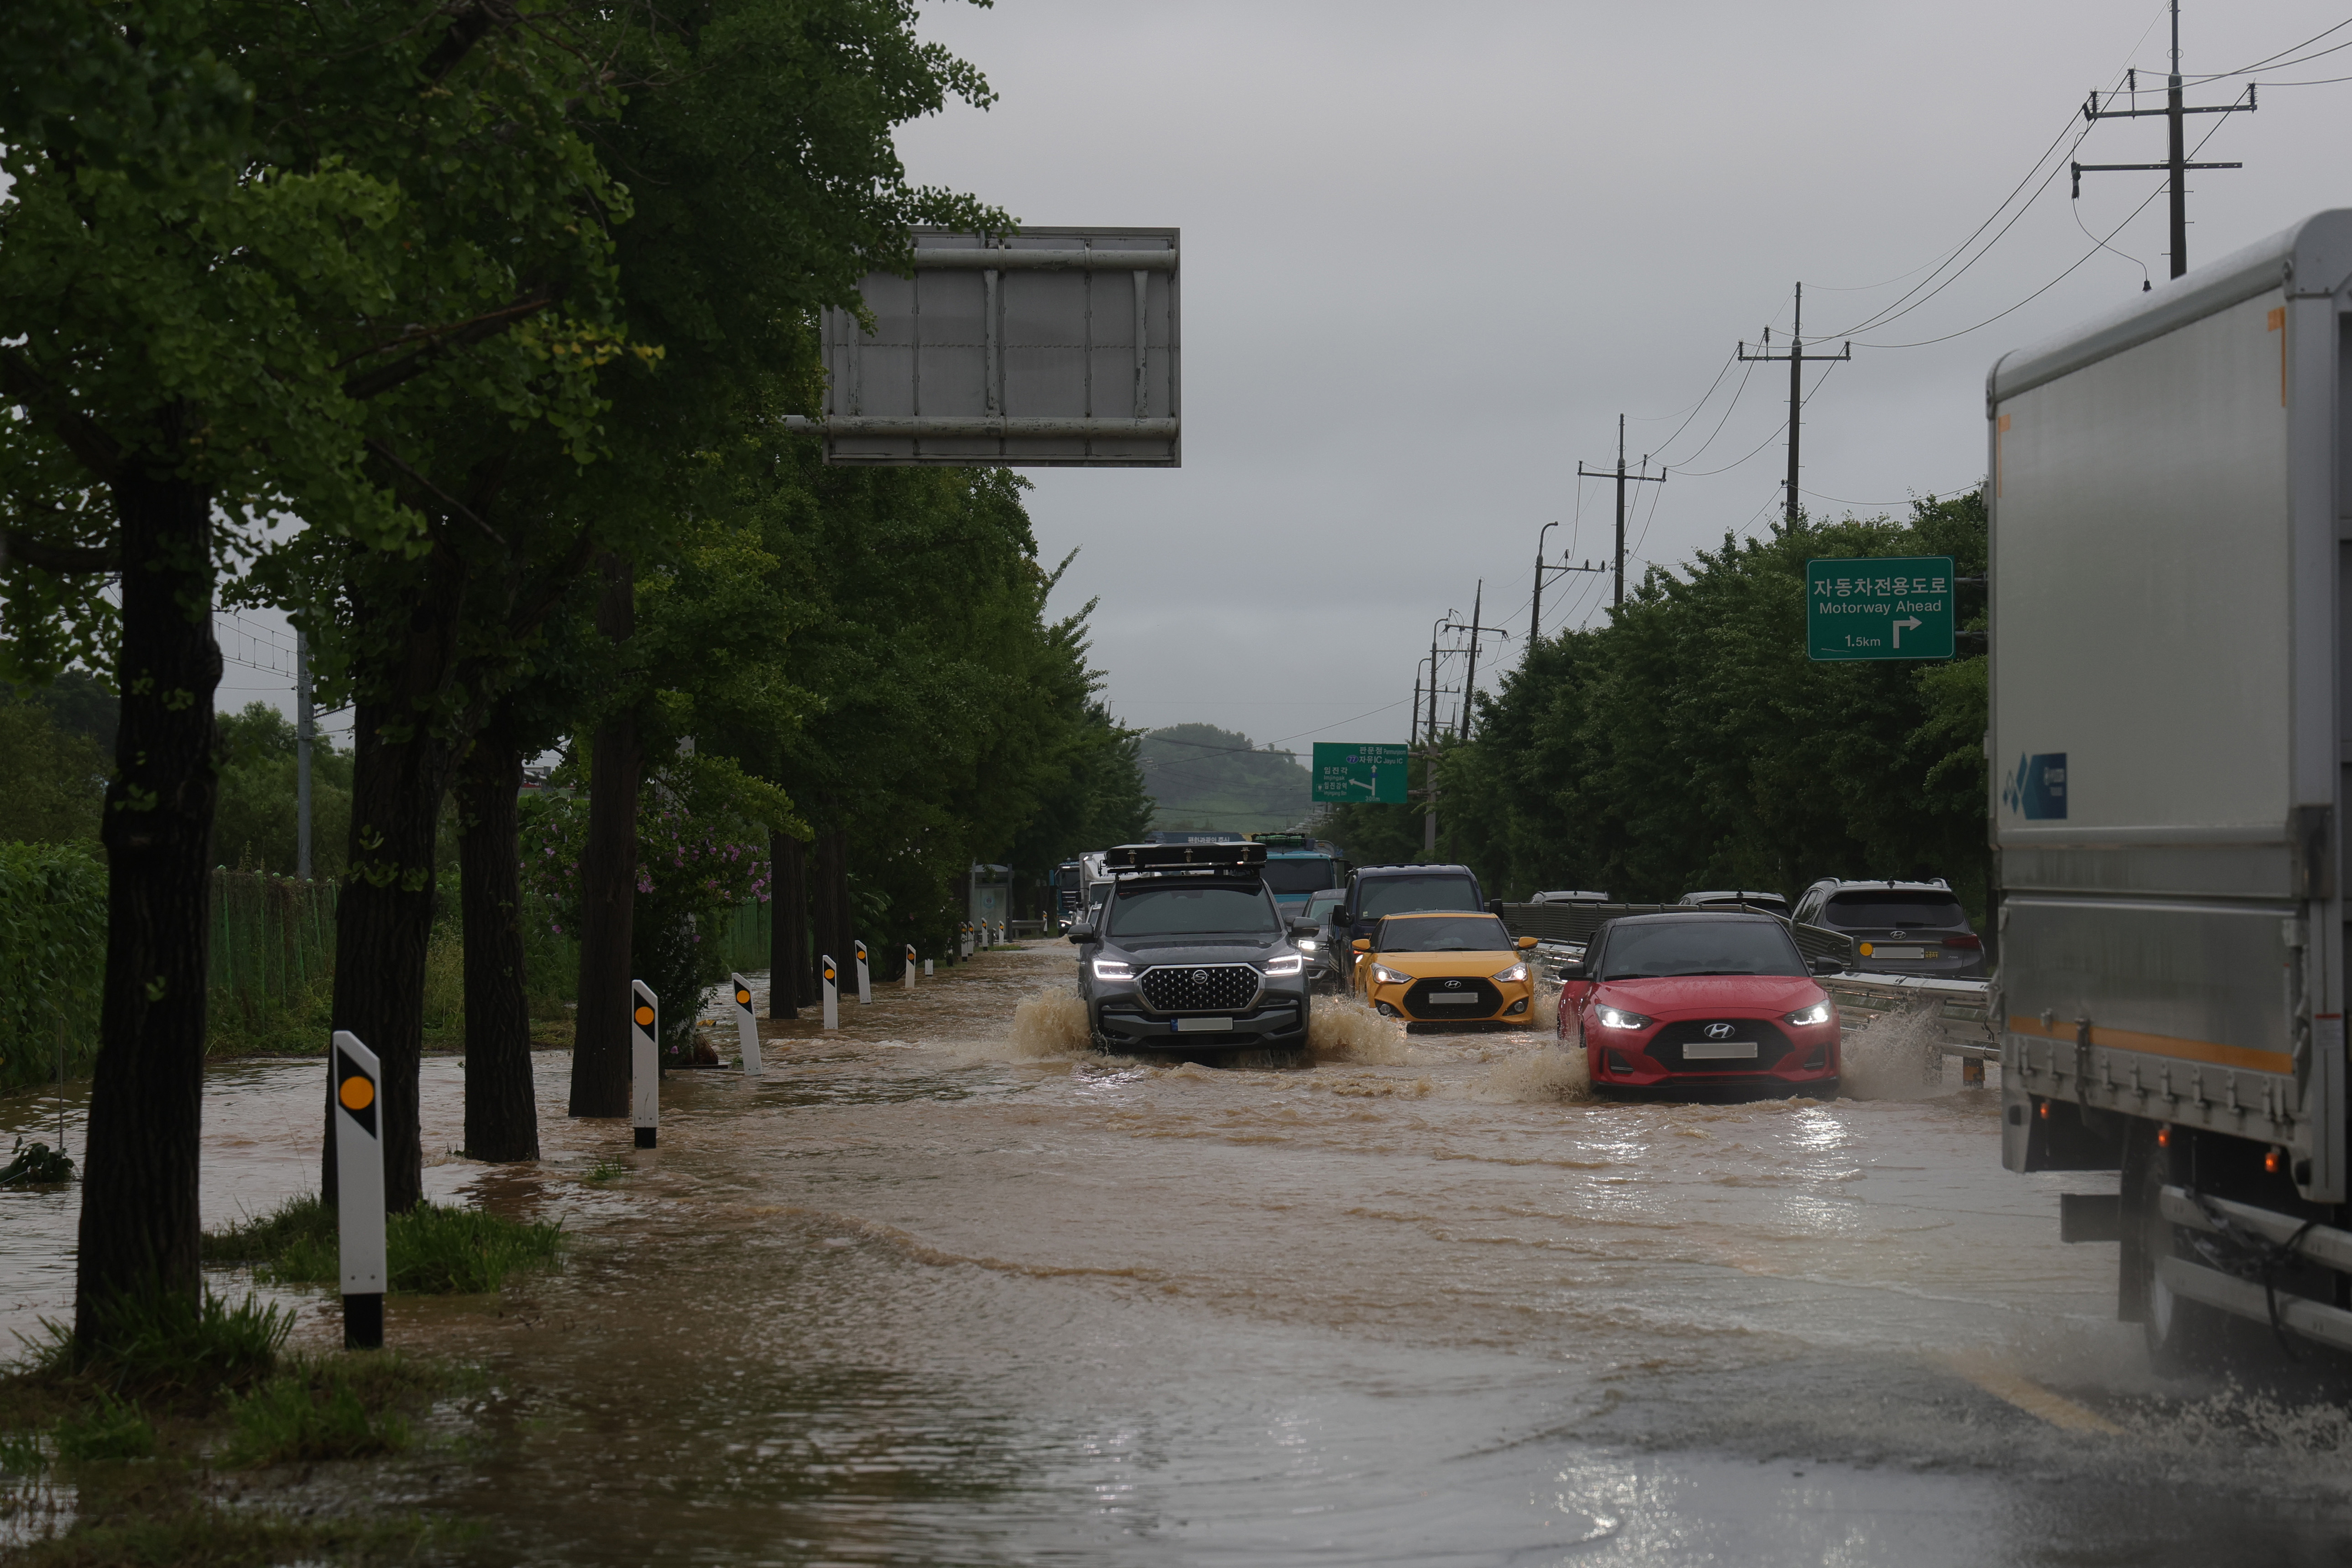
(1894, 1057)
(1342, 1029)
(1547, 1076)
(1048, 1025)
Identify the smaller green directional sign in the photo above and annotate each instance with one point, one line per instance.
(1344, 771)
(1880, 606)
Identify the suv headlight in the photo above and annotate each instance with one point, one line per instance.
(1113, 969)
(1388, 976)
(1288, 965)
(1617, 1017)
(1516, 972)
(1819, 1012)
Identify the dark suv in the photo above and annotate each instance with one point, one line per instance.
(1897, 927)
(1374, 891)
(1188, 951)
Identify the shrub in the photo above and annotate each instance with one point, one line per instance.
(106, 1429)
(315, 1410)
(160, 1346)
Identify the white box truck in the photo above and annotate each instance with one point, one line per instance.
(2171, 729)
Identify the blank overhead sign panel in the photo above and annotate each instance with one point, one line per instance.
(1050, 347)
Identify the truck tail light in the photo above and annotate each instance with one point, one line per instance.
(2274, 1161)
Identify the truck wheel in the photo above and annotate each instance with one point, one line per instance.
(2182, 1336)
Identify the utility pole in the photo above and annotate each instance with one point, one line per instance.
(1798, 360)
(305, 730)
(1470, 682)
(1643, 477)
(2177, 164)
(1535, 615)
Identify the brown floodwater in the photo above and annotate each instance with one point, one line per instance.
(944, 1288)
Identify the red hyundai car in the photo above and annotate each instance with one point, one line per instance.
(1701, 1001)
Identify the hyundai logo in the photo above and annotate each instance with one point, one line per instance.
(1719, 1031)
(1452, 985)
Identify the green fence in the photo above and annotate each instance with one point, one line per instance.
(52, 961)
(273, 962)
(744, 935)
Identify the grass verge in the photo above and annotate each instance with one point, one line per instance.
(430, 1250)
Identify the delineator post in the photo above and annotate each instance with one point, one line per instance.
(746, 1026)
(644, 1067)
(865, 984)
(908, 979)
(832, 993)
(358, 1088)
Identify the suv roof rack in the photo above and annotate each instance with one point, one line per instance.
(1237, 856)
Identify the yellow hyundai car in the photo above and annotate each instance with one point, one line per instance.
(1441, 967)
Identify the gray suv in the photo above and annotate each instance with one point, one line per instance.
(1187, 952)
(1897, 927)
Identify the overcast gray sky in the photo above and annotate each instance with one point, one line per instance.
(1431, 252)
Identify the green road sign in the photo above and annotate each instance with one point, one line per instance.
(1346, 773)
(1879, 607)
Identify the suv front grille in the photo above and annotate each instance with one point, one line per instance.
(1490, 997)
(1199, 988)
(1666, 1046)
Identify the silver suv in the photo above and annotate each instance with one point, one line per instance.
(1898, 927)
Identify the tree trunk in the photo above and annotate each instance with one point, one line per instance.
(844, 914)
(501, 1114)
(608, 884)
(139, 1216)
(825, 910)
(787, 933)
(384, 923)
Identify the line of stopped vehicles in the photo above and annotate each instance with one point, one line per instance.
(1208, 944)
(2168, 800)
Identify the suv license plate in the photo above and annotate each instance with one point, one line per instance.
(1877, 951)
(1210, 1026)
(1719, 1050)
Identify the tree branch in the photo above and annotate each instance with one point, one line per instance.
(456, 508)
(66, 560)
(467, 26)
(99, 452)
(465, 334)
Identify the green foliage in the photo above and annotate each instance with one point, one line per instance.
(53, 954)
(1691, 743)
(255, 818)
(163, 1348)
(184, 1532)
(430, 1250)
(105, 1428)
(331, 225)
(315, 1410)
(52, 780)
(1203, 777)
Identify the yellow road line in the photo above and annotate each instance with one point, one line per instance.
(2035, 1400)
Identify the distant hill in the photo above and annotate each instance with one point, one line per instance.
(1203, 777)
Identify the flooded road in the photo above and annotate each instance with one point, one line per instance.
(944, 1288)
